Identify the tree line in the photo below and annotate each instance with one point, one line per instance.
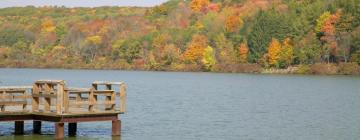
(195, 35)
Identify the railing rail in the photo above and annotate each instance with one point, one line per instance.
(111, 86)
(12, 96)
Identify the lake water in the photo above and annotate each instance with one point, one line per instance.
(213, 106)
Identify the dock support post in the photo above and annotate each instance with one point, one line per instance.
(37, 127)
(59, 130)
(116, 127)
(19, 127)
(72, 129)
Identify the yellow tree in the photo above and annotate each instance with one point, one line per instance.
(91, 47)
(243, 53)
(233, 23)
(287, 52)
(209, 58)
(96, 40)
(320, 21)
(195, 50)
(198, 5)
(274, 52)
(48, 25)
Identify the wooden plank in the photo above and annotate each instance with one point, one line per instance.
(47, 100)
(92, 118)
(6, 88)
(122, 98)
(35, 100)
(107, 83)
(113, 99)
(13, 103)
(49, 81)
(13, 97)
(45, 95)
(103, 94)
(76, 89)
(66, 101)
(13, 91)
(94, 97)
(92, 101)
(60, 95)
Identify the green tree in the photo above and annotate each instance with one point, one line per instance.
(268, 25)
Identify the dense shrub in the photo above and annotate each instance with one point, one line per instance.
(303, 69)
(323, 69)
(235, 68)
(349, 69)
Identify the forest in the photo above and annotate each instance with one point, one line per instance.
(294, 36)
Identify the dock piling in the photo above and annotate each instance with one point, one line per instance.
(59, 130)
(116, 127)
(19, 127)
(72, 129)
(37, 127)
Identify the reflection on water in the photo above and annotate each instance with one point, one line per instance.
(192, 106)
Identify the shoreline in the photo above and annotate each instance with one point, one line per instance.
(293, 70)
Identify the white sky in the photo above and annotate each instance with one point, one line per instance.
(79, 3)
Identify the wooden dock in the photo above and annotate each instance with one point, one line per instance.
(53, 101)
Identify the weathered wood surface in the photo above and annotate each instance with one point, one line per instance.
(49, 81)
(9, 88)
(54, 97)
(13, 96)
(107, 83)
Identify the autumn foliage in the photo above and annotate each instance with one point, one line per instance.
(233, 23)
(243, 53)
(195, 50)
(287, 53)
(48, 25)
(198, 5)
(181, 35)
(274, 51)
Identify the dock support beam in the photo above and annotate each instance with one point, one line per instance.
(59, 130)
(37, 127)
(19, 127)
(116, 128)
(72, 129)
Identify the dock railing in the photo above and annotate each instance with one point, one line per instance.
(54, 97)
(15, 98)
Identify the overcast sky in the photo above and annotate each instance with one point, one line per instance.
(79, 3)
